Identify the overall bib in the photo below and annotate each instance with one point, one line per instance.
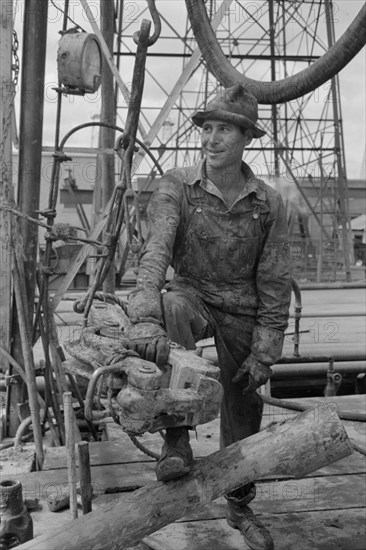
(215, 262)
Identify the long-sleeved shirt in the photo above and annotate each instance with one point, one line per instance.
(236, 257)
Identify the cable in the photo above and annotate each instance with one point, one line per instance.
(141, 447)
(119, 129)
(68, 17)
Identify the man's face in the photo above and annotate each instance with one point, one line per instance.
(223, 143)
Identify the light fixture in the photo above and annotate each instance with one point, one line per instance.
(79, 62)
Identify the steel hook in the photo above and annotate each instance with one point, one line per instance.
(157, 24)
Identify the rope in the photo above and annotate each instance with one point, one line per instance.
(142, 447)
(108, 297)
(79, 305)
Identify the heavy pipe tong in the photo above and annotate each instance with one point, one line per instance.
(137, 394)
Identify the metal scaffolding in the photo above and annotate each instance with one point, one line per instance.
(303, 152)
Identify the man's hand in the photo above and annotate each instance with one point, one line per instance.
(252, 374)
(149, 340)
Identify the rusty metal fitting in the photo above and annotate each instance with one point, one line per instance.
(60, 156)
(47, 213)
(16, 525)
(79, 306)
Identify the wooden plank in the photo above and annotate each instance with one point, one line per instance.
(15, 461)
(47, 522)
(122, 450)
(310, 493)
(304, 495)
(295, 447)
(354, 464)
(70, 451)
(350, 403)
(86, 490)
(119, 447)
(312, 527)
(322, 530)
(108, 453)
(105, 479)
(205, 432)
(7, 92)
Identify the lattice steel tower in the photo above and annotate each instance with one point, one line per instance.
(302, 153)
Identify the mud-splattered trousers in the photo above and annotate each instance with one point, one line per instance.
(231, 279)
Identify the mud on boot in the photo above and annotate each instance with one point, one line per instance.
(176, 455)
(242, 517)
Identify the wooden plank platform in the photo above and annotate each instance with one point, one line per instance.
(325, 510)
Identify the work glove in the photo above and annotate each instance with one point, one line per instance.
(252, 374)
(149, 340)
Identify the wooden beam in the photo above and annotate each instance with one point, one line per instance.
(86, 488)
(6, 190)
(298, 446)
(71, 453)
(31, 134)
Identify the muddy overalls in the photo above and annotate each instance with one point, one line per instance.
(231, 279)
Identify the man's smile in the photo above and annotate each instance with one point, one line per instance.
(212, 153)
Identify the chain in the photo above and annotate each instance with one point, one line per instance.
(10, 108)
(16, 63)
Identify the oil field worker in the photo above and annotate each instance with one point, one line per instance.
(225, 233)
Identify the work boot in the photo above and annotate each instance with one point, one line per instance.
(240, 516)
(176, 455)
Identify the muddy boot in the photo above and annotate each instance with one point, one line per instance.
(240, 516)
(176, 455)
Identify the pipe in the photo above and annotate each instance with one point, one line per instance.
(101, 371)
(341, 355)
(332, 286)
(286, 89)
(30, 132)
(23, 325)
(107, 134)
(298, 370)
(29, 177)
(334, 381)
(297, 316)
(343, 215)
(325, 315)
(20, 431)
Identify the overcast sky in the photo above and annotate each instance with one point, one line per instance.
(79, 110)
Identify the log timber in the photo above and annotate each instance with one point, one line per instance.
(295, 447)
